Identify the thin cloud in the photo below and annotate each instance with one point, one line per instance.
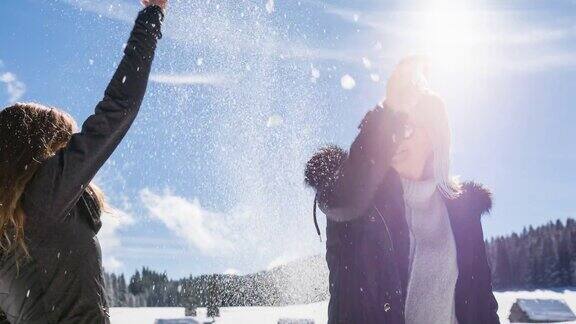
(218, 27)
(531, 35)
(14, 87)
(146, 250)
(386, 22)
(393, 23)
(203, 230)
(508, 30)
(561, 60)
(187, 79)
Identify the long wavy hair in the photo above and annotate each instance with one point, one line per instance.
(30, 133)
(408, 91)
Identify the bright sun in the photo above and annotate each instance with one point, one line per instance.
(450, 33)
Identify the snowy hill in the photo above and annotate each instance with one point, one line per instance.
(315, 311)
(302, 281)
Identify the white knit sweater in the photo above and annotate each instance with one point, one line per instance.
(433, 266)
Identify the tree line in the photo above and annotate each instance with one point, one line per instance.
(303, 281)
(542, 257)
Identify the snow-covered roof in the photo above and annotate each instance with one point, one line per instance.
(546, 309)
(187, 320)
(295, 321)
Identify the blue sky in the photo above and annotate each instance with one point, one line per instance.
(209, 179)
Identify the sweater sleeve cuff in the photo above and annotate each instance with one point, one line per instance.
(151, 19)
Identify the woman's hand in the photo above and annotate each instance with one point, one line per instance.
(160, 3)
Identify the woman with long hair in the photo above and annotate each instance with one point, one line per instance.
(404, 239)
(51, 265)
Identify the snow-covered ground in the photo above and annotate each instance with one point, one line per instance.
(317, 311)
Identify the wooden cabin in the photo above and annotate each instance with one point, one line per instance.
(540, 311)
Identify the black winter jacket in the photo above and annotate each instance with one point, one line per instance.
(367, 247)
(62, 282)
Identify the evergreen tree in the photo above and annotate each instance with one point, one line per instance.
(552, 275)
(213, 297)
(503, 274)
(136, 287)
(122, 291)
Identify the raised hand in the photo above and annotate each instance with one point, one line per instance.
(160, 3)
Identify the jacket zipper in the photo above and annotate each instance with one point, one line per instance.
(391, 245)
(387, 230)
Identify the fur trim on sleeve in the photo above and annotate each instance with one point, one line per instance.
(322, 168)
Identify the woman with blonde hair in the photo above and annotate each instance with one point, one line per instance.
(51, 265)
(404, 240)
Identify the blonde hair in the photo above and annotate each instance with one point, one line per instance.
(408, 91)
(30, 134)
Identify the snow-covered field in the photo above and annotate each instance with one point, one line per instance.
(317, 311)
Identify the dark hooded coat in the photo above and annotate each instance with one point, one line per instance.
(367, 247)
(62, 281)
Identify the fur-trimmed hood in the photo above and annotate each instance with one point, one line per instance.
(474, 196)
(322, 171)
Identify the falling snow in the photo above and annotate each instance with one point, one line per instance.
(367, 63)
(270, 6)
(274, 121)
(314, 74)
(347, 82)
(256, 130)
(241, 86)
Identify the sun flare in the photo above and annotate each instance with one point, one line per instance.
(451, 34)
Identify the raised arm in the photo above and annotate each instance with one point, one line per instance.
(364, 169)
(61, 179)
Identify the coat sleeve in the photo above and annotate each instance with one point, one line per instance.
(489, 307)
(61, 179)
(364, 169)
